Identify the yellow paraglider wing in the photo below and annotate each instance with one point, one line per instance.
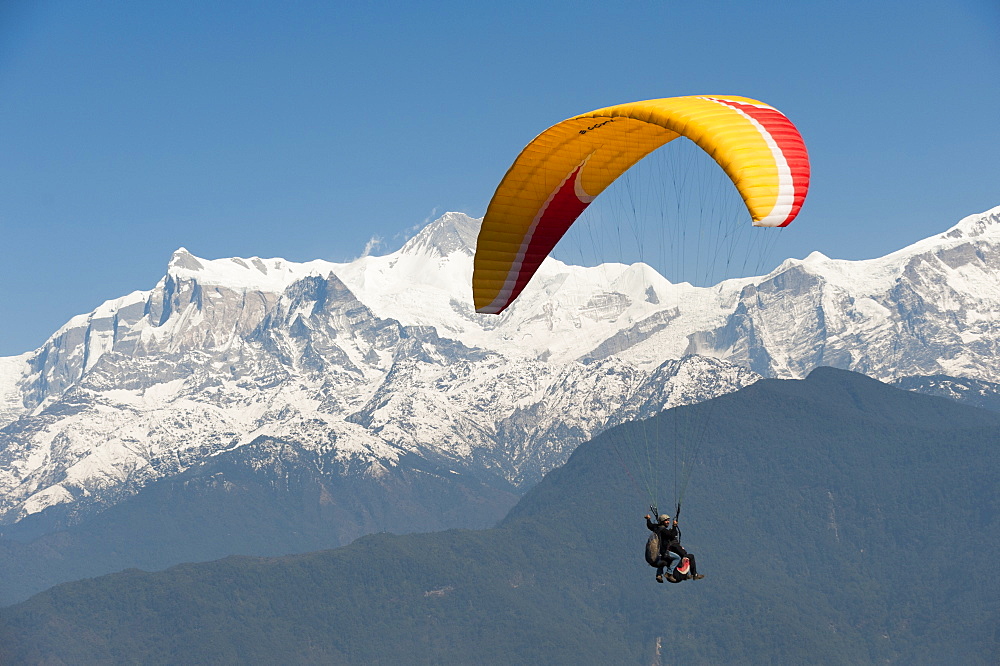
(565, 167)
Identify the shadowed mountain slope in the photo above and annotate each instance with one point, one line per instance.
(267, 498)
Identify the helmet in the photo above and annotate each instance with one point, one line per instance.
(664, 518)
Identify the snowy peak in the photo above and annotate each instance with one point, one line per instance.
(252, 274)
(981, 226)
(978, 228)
(450, 233)
(182, 260)
(865, 277)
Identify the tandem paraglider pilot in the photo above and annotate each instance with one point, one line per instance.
(665, 552)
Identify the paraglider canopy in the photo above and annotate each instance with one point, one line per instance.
(564, 168)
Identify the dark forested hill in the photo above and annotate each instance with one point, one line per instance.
(837, 520)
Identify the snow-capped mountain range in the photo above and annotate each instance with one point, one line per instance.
(372, 362)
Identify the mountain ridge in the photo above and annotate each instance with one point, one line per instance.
(383, 361)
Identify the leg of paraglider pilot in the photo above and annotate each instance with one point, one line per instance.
(659, 570)
(675, 559)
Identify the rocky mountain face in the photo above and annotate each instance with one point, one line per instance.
(223, 355)
(930, 309)
(381, 364)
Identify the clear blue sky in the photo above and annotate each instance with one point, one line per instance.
(303, 129)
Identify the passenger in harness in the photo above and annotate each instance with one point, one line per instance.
(671, 553)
